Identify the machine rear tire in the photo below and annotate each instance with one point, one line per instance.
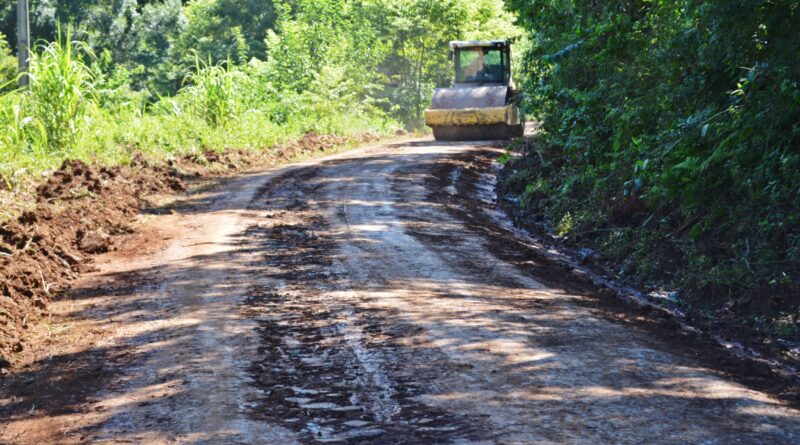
(477, 132)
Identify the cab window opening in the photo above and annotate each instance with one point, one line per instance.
(480, 65)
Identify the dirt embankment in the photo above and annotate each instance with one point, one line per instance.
(79, 210)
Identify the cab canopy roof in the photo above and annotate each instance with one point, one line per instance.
(477, 43)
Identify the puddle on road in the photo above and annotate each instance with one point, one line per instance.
(454, 175)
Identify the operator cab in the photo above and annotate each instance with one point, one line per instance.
(482, 62)
(483, 104)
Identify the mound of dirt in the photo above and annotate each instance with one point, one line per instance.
(79, 208)
(312, 142)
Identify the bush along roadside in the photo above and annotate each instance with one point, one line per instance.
(637, 245)
(80, 209)
(670, 145)
(78, 107)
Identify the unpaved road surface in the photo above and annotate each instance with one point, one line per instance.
(364, 298)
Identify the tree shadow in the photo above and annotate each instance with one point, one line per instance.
(396, 315)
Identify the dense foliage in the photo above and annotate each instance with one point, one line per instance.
(165, 76)
(671, 141)
(8, 65)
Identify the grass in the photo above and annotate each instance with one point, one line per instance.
(213, 88)
(61, 92)
(67, 113)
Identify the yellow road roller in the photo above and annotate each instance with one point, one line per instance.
(483, 103)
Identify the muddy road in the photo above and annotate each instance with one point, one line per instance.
(368, 297)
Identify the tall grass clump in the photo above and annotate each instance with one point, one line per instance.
(61, 90)
(20, 140)
(211, 89)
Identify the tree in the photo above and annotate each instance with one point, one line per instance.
(685, 109)
(226, 29)
(8, 65)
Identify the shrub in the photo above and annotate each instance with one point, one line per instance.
(61, 90)
(8, 66)
(211, 89)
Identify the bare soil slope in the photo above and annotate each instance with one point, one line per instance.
(81, 209)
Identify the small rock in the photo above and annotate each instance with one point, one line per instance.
(96, 241)
(580, 276)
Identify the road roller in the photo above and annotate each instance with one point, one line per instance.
(482, 104)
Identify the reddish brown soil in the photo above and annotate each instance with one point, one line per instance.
(79, 209)
(82, 209)
(370, 297)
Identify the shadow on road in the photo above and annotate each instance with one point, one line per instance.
(386, 314)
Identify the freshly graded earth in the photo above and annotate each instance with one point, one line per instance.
(368, 297)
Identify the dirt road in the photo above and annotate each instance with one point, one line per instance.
(365, 298)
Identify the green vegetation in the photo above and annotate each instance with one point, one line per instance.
(8, 65)
(163, 77)
(60, 90)
(671, 141)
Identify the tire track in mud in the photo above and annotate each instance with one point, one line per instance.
(331, 370)
(368, 299)
(385, 307)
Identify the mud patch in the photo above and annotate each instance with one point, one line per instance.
(332, 370)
